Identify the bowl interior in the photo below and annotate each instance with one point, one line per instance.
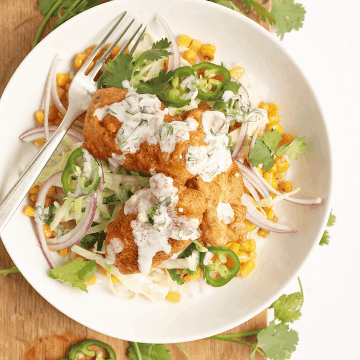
(237, 40)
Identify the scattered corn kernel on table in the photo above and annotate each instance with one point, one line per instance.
(30, 328)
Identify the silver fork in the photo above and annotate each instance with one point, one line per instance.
(80, 94)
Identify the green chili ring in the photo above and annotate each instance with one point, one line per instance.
(83, 348)
(70, 169)
(218, 266)
(172, 97)
(212, 70)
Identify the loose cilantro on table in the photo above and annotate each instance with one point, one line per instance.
(12, 270)
(325, 238)
(140, 351)
(268, 146)
(70, 8)
(75, 273)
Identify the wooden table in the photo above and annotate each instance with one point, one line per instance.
(31, 328)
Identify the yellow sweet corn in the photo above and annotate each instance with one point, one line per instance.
(173, 296)
(62, 79)
(195, 45)
(263, 233)
(273, 110)
(92, 281)
(184, 40)
(285, 186)
(40, 117)
(64, 252)
(270, 178)
(79, 60)
(28, 210)
(247, 268)
(190, 56)
(281, 164)
(115, 279)
(250, 225)
(235, 247)
(237, 72)
(269, 213)
(264, 106)
(207, 52)
(277, 127)
(189, 277)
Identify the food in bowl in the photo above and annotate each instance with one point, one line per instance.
(166, 183)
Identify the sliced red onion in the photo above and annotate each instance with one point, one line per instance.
(317, 201)
(78, 124)
(254, 216)
(246, 173)
(76, 234)
(39, 133)
(241, 139)
(102, 180)
(174, 59)
(251, 188)
(39, 206)
(253, 139)
(54, 93)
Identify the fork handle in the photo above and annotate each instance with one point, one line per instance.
(19, 190)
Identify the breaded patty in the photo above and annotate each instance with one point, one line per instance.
(226, 188)
(100, 139)
(127, 260)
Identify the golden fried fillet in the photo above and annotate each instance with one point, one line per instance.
(100, 139)
(127, 260)
(227, 188)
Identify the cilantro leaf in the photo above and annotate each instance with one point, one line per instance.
(46, 5)
(332, 219)
(75, 273)
(292, 149)
(155, 85)
(260, 10)
(278, 341)
(117, 71)
(12, 270)
(233, 86)
(176, 276)
(325, 238)
(140, 351)
(228, 4)
(287, 307)
(287, 16)
(89, 240)
(188, 251)
(261, 155)
(272, 139)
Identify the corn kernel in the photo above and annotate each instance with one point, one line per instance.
(115, 51)
(63, 252)
(207, 52)
(47, 231)
(62, 79)
(277, 127)
(264, 106)
(115, 279)
(184, 40)
(235, 247)
(260, 171)
(273, 169)
(189, 277)
(270, 178)
(195, 45)
(263, 233)
(39, 142)
(278, 177)
(247, 268)
(274, 119)
(237, 72)
(92, 281)
(28, 210)
(40, 117)
(252, 245)
(285, 139)
(285, 186)
(89, 68)
(80, 59)
(269, 213)
(190, 56)
(250, 225)
(173, 296)
(273, 110)
(258, 132)
(35, 189)
(281, 163)
(275, 219)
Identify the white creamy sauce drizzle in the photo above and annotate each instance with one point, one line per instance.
(115, 247)
(143, 120)
(225, 213)
(214, 158)
(158, 202)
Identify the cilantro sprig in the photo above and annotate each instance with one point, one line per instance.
(325, 238)
(268, 146)
(63, 9)
(12, 270)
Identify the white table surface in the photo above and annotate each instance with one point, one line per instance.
(328, 49)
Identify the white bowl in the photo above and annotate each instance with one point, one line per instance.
(280, 257)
